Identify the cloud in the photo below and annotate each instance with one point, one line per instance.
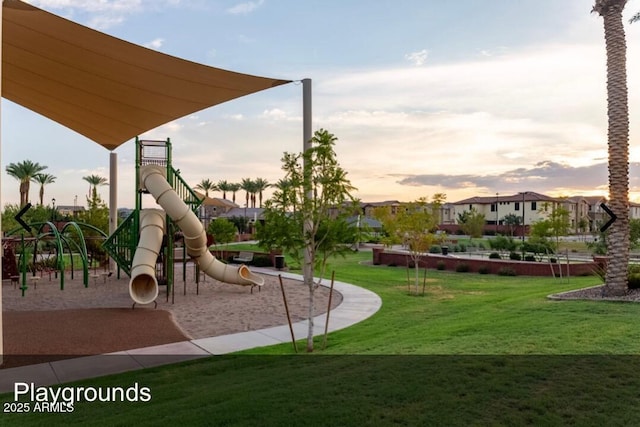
(417, 58)
(244, 8)
(545, 176)
(154, 44)
(101, 14)
(278, 114)
(481, 117)
(237, 117)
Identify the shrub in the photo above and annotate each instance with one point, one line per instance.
(529, 257)
(633, 269)
(633, 281)
(456, 248)
(633, 278)
(261, 261)
(515, 256)
(440, 265)
(553, 260)
(462, 267)
(483, 269)
(507, 271)
(463, 247)
(481, 246)
(435, 249)
(494, 255)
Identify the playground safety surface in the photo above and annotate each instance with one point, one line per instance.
(48, 323)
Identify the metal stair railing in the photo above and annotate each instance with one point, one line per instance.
(185, 192)
(121, 245)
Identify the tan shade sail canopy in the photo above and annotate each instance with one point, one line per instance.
(104, 88)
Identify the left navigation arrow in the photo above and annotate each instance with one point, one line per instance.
(18, 217)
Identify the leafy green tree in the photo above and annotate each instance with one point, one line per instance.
(36, 213)
(472, 223)
(559, 223)
(512, 221)
(599, 244)
(556, 225)
(634, 232)
(503, 243)
(416, 225)
(538, 245)
(390, 235)
(24, 172)
(300, 217)
(240, 222)
(583, 225)
(43, 179)
(539, 238)
(223, 231)
(96, 215)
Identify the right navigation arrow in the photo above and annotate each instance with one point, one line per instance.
(611, 214)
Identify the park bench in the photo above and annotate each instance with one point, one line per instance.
(243, 257)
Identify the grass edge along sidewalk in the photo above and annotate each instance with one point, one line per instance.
(459, 314)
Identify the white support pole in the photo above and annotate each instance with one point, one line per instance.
(306, 145)
(306, 114)
(113, 200)
(1, 245)
(307, 268)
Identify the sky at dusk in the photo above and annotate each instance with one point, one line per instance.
(464, 98)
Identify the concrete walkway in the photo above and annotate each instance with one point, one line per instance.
(357, 305)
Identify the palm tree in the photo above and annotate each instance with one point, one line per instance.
(206, 185)
(24, 172)
(261, 184)
(618, 143)
(94, 181)
(247, 186)
(234, 187)
(224, 186)
(43, 179)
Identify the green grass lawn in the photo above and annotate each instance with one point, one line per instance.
(474, 350)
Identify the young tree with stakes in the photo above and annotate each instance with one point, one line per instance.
(310, 212)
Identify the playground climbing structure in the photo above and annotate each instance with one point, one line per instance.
(142, 245)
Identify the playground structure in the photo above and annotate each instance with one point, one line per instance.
(69, 238)
(142, 246)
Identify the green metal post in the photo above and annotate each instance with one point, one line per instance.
(23, 267)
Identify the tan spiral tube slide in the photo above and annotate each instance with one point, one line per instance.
(143, 286)
(154, 180)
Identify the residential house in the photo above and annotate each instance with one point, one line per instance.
(67, 211)
(213, 207)
(578, 208)
(634, 210)
(369, 208)
(529, 206)
(251, 216)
